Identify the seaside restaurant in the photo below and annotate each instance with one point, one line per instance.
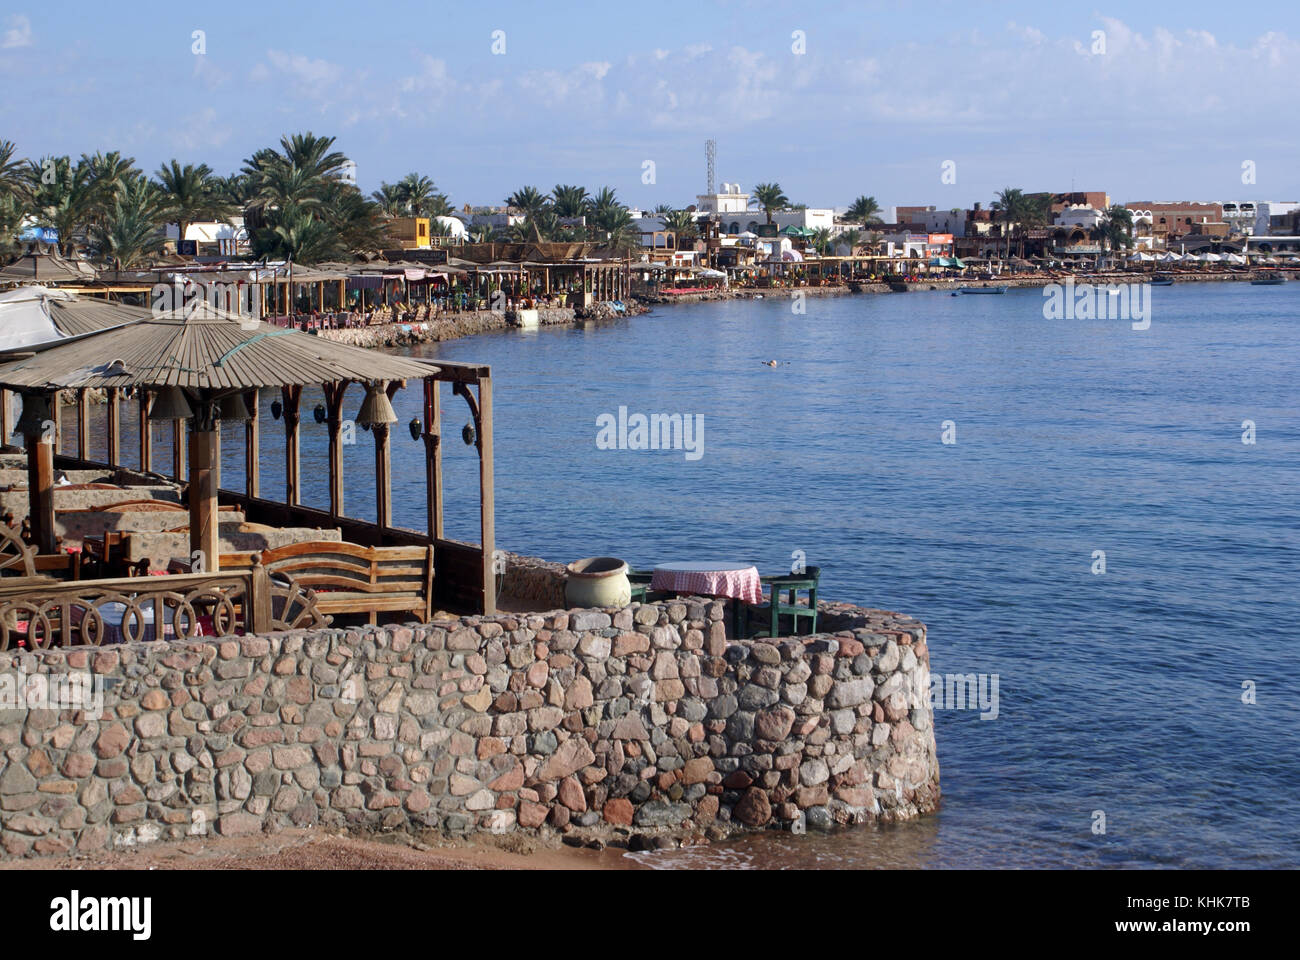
(235, 560)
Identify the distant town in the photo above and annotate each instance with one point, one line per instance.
(298, 203)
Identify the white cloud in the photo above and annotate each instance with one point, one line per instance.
(19, 33)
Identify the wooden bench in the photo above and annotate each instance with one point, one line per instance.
(350, 578)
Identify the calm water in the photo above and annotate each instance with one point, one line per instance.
(1119, 692)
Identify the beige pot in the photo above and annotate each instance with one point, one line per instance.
(597, 582)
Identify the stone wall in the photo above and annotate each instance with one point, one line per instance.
(538, 583)
(640, 718)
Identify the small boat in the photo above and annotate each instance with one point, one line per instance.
(1160, 280)
(982, 290)
(1272, 281)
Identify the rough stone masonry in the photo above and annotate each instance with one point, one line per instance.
(645, 717)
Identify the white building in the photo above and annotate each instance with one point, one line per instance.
(945, 221)
(729, 201)
(809, 217)
(1077, 215)
(1265, 209)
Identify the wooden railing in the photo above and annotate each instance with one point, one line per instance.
(37, 613)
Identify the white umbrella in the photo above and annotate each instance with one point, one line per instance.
(1172, 257)
(1235, 258)
(1211, 258)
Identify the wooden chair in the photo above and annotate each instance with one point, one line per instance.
(785, 591)
(350, 578)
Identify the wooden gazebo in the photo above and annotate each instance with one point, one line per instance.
(210, 366)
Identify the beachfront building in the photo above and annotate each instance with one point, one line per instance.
(1276, 216)
(1170, 220)
(945, 221)
(1083, 216)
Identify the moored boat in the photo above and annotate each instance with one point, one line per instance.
(1271, 280)
(982, 290)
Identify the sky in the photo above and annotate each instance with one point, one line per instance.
(929, 103)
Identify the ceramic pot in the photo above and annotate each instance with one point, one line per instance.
(597, 582)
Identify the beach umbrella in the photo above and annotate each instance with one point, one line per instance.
(1211, 258)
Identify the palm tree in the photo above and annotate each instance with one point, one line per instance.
(312, 154)
(821, 241)
(62, 197)
(1010, 207)
(769, 197)
(420, 197)
(389, 198)
(528, 201)
(130, 234)
(682, 223)
(192, 193)
(851, 237)
(569, 200)
(13, 182)
(863, 210)
(1117, 226)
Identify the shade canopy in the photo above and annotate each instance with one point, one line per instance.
(39, 267)
(32, 315)
(210, 350)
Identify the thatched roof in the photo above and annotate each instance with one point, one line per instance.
(37, 266)
(220, 352)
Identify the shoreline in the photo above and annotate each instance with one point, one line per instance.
(472, 323)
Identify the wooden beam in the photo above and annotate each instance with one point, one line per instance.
(146, 433)
(83, 424)
(487, 503)
(56, 414)
(178, 449)
(433, 457)
(384, 465)
(291, 396)
(204, 478)
(252, 438)
(5, 426)
(334, 393)
(40, 486)
(114, 429)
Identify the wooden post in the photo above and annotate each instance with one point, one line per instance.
(83, 424)
(178, 449)
(56, 414)
(487, 505)
(383, 476)
(292, 467)
(252, 437)
(333, 418)
(384, 466)
(5, 426)
(204, 477)
(146, 433)
(259, 617)
(114, 431)
(433, 457)
(40, 486)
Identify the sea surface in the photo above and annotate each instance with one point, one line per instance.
(1161, 694)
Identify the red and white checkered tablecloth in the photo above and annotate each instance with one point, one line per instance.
(736, 580)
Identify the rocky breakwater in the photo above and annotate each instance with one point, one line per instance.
(640, 719)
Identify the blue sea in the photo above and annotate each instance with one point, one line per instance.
(1147, 714)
